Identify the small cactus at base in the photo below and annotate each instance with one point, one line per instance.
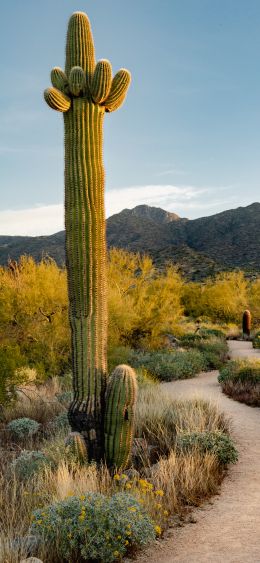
(119, 416)
(246, 323)
(76, 446)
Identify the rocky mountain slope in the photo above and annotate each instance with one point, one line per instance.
(200, 247)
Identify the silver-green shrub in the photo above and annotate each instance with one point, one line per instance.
(93, 527)
(217, 443)
(22, 428)
(29, 463)
(168, 366)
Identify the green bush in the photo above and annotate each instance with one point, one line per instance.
(256, 340)
(241, 371)
(118, 355)
(11, 359)
(168, 366)
(213, 348)
(207, 332)
(60, 422)
(93, 527)
(28, 463)
(65, 397)
(22, 428)
(217, 443)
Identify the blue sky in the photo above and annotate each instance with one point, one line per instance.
(186, 139)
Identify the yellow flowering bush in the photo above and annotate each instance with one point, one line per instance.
(94, 526)
(148, 497)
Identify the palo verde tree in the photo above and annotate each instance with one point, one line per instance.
(83, 93)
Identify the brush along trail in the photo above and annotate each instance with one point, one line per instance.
(228, 530)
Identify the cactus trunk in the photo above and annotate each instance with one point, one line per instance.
(86, 266)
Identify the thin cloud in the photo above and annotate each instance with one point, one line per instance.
(48, 219)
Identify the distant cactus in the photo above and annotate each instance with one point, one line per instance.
(246, 323)
(83, 94)
(77, 447)
(119, 416)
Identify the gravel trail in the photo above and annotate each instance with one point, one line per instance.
(226, 530)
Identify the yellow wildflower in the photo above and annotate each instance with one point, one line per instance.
(82, 497)
(128, 486)
(119, 537)
(126, 542)
(158, 530)
(39, 522)
(117, 477)
(82, 516)
(159, 493)
(124, 476)
(132, 509)
(166, 513)
(69, 535)
(116, 553)
(159, 506)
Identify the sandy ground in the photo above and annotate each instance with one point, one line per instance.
(226, 530)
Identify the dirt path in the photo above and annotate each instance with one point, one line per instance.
(228, 530)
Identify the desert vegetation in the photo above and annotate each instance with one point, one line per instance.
(96, 459)
(69, 509)
(240, 380)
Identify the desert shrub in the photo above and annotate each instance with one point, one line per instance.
(60, 422)
(11, 359)
(213, 348)
(33, 312)
(65, 397)
(160, 419)
(29, 463)
(241, 381)
(214, 351)
(220, 299)
(256, 340)
(217, 332)
(118, 355)
(94, 526)
(23, 428)
(216, 443)
(242, 371)
(168, 366)
(143, 302)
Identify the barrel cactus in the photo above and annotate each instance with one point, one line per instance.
(76, 446)
(246, 323)
(83, 93)
(119, 415)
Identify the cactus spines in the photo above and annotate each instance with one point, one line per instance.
(119, 415)
(120, 84)
(77, 446)
(83, 93)
(246, 322)
(59, 79)
(57, 100)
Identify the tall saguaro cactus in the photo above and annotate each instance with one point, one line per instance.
(83, 93)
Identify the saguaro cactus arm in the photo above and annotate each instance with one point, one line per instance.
(57, 100)
(120, 85)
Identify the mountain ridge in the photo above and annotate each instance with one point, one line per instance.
(199, 247)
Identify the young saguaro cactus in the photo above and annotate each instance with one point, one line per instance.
(119, 416)
(83, 93)
(246, 322)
